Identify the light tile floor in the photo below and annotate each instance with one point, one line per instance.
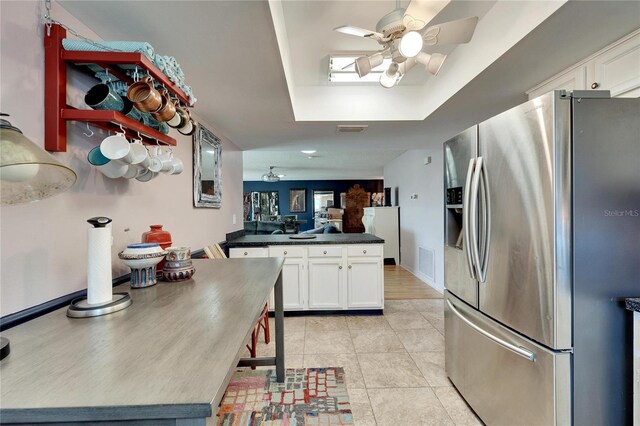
(394, 363)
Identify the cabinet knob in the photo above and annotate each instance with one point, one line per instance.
(364, 251)
(340, 267)
(245, 253)
(595, 85)
(349, 266)
(325, 252)
(285, 252)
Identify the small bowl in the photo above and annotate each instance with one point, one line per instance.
(178, 253)
(175, 275)
(137, 251)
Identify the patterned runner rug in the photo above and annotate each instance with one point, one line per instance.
(308, 396)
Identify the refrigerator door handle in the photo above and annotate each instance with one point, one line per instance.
(465, 218)
(474, 242)
(519, 350)
(486, 204)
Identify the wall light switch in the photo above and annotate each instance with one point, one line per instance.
(234, 219)
(427, 160)
(414, 196)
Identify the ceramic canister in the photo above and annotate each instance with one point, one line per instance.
(157, 235)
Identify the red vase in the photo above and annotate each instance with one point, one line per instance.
(158, 235)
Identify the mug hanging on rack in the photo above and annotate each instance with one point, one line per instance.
(144, 95)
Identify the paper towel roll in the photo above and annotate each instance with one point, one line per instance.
(99, 282)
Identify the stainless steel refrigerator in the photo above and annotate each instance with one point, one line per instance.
(542, 239)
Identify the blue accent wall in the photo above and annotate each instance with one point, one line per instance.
(283, 187)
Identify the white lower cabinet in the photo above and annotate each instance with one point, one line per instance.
(364, 283)
(326, 284)
(331, 277)
(293, 285)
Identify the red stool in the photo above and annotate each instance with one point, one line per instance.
(263, 323)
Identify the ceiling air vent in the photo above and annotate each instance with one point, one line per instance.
(351, 128)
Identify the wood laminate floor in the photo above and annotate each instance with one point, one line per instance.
(400, 284)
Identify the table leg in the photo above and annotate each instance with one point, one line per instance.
(279, 316)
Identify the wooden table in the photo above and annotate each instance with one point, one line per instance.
(166, 359)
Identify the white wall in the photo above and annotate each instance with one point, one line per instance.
(421, 219)
(43, 245)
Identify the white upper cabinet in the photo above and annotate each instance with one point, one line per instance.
(574, 79)
(615, 68)
(618, 69)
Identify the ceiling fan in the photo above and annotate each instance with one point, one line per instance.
(403, 33)
(271, 177)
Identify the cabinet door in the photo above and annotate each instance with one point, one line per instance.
(326, 284)
(575, 79)
(364, 283)
(618, 69)
(293, 280)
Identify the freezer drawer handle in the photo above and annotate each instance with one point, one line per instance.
(513, 348)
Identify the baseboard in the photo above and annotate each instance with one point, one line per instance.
(422, 278)
(330, 312)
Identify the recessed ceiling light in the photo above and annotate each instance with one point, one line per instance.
(309, 152)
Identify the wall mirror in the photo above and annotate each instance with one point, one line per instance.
(322, 200)
(264, 205)
(207, 169)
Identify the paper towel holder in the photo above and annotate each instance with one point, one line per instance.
(81, 308)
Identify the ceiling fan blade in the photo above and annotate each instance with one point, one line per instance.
(358, 32)
(421, 12)
(453, 32)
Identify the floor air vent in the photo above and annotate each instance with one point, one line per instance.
(427, 263)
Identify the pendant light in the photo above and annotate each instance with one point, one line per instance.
(27, 172)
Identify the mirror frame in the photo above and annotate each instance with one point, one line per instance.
(204, 138)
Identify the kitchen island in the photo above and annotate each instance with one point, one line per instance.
(165, 360)
(327, 274)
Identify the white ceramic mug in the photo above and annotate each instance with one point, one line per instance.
(110, 168)
(167, 161)
(117, 147)
(155, 162)
(134, 171)
(147, 176)
(177, 167)
(138, 153)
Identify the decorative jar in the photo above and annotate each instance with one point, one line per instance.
(157, 235)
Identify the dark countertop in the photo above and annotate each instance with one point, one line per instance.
(633, 303)
(274, 240)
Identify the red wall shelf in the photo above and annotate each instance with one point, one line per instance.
(112, 120)
(57, 112)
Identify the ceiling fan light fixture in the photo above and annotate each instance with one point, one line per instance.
(434, 65)
(271, 177)
(364, 64)
(410, 44)
(433, 62)
(389, 78)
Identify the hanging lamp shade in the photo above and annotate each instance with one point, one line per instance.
(27, 172)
